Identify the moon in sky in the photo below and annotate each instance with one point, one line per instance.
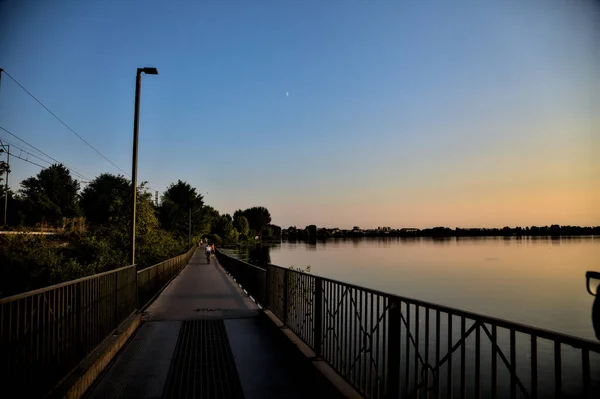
(287, 94)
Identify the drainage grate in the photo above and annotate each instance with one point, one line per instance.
(203, 364)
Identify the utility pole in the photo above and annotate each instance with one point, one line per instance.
(5, 167)
(156, 197)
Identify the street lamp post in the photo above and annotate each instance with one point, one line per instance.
(136, 123)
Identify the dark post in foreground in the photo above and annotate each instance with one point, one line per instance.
(136, 124)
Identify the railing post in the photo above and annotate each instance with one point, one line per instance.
(117, 301)
(268, 287)
(318, 314)
(285, 296)
(137, 288)
(393, 348)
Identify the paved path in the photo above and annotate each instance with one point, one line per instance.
(204, 338)
(201, 291)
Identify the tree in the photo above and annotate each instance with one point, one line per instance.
(174, 210)
(51, 195)
(107, 199)
(258, 217)
(240, 223)
(223, 227)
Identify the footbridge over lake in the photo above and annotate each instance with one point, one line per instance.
(226, 329)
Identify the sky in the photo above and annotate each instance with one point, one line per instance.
(426, 113)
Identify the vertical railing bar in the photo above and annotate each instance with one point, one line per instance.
(513, 368)
(338, 325)
(417, 349)
(385, 374)
(379, 371)
(53, 321)
(363, 321)
(534, 367)
(437, 352)
(354, 335)
(18, 326)
(557, 369)
(393, 346)
(60, 317)
(355, 356)
(407, 356)
(32, 346)
(426, 352)
(494, 362)
(371, 332)
(463, 387)
(318, 317)
(449, 369)
(285, 297)
(39, 332)
(66, 324)
(477, 360)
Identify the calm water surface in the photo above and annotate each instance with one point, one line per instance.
(535, 281)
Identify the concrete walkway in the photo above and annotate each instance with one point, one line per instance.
(201, 291)
(204, 337)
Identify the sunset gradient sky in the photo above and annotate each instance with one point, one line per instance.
(400, 113)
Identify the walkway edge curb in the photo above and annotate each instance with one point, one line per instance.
(327, 371)
(92, 366)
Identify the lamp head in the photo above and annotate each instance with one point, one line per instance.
(150, 71)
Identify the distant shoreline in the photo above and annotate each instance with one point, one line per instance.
(311, 232)
(435, 237)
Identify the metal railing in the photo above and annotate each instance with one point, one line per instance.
(152, 279)
(251, 277)
(387, 346)
(46, 333)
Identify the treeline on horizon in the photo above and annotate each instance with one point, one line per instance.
(313, 232)
(92, 227)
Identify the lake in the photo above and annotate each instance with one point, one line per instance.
(536, 281)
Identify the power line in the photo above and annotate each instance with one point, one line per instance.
(64, 124)
(41, 166)
(27, 160)
(22, 150)
(75, 171)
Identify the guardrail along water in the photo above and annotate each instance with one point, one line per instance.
(387, 346)
(46, 333)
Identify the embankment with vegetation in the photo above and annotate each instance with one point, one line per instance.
(92, 227)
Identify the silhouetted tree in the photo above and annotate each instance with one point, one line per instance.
(107, 199)
(174, 210)
(51, 195)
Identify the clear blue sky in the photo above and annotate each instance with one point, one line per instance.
(400, 113)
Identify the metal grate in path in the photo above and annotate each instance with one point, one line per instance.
(203, 364)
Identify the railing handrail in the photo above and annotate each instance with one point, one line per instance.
(79, 280)
(60, 285)
(245, 263)
(163, 262)
(518, 327)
